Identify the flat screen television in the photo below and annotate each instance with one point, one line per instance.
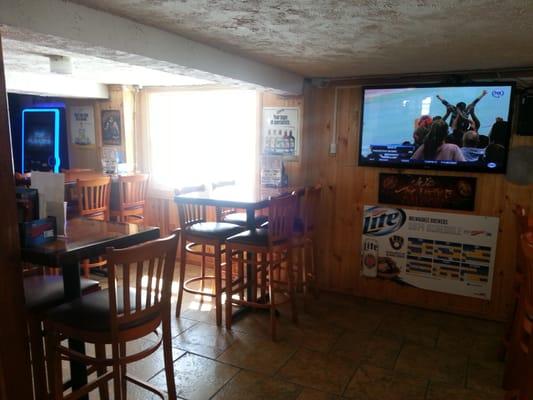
(447, 127)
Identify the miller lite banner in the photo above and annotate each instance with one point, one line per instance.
(449, 253)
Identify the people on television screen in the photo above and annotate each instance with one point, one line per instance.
(435, 147)
(494, 153)
(419, 135)
(470, 149)
(461, 112)
(498, 132)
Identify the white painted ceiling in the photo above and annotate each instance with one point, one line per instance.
(335, 38)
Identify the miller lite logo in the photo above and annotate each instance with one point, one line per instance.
(380, 221)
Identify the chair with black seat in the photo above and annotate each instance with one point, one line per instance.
(134, 306)
(132, 198)
(267, 251)
(41, 293)
(93, 202)
(235, 215)
(198, 232)
(304, 239)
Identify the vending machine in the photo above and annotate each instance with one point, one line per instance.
(40, 139)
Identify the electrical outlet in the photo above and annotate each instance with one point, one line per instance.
(333, 148)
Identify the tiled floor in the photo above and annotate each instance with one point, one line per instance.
(342, 348)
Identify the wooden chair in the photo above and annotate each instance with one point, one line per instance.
(132, 198)
(522, 218)
(198, 232)
(125, 312)
(93, 202)
(43, 292)
(267, 250)
(304, 239)
(519, 363)
(235, 215)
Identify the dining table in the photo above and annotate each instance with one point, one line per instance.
(84, 238)
(249, 198)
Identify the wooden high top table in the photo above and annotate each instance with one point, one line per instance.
(248, 198)
(84, 238)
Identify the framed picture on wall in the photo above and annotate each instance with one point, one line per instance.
(111, 128)
(82, 126)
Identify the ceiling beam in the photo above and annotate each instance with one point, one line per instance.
(75, 27)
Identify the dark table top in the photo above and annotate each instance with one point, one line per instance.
(234, 196)
(88, 238)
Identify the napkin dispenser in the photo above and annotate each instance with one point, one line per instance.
(37, 232)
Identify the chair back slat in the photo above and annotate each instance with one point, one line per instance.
(522, 221)
(93, 196)
(132, 191)
(310, 208)
(190, 214)
(281, 213)
(147, 273)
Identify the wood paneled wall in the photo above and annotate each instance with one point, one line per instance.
(348, 187)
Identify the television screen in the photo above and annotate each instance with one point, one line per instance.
(443, 127)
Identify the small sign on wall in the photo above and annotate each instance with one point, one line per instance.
(452, 192)
(111, 128)
(82, 125)
(442, 252)
(280, 131)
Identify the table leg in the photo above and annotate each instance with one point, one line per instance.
(250, 222)
(71, 282)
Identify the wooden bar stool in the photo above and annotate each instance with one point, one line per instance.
(304, 239)
(43, 292)
(522, 218)
(93, 202)
(127, 311)
(519, 363)
(198, 232)
(132, 198)
(275, 248)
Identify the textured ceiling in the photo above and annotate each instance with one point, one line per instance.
(334, 38)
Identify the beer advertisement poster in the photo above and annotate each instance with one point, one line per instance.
(280, 131)
(451, 192)
(448, 253)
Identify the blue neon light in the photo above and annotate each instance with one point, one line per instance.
(55, 111)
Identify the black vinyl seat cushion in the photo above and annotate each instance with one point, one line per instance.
(216, 230)
(254, 237)
(91, 312)
(239, 218)
(46, 291)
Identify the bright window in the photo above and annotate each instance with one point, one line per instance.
(202, 136)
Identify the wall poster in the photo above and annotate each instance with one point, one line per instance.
(82, 125)
(453, 192)
(280, 131)
(448, 253)
(111, 128)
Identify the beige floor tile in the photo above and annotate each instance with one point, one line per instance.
(148, 367)
(325, 372)
(433, 364)
(197, 378)
(254, 386)
(374, 383)
(257, 354)
(310, 334)
(204, 339)
(371, 349)
(485, 348)
(485, 376)
(312, 394)
(442, 391)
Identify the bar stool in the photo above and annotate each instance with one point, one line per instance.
(132, 198)
(93, 202)
(234, 215)
(519, 363)
(522, 218)
(197, 231)
(128, 310)
(275, 247)
(41, 293)
(303, 240)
